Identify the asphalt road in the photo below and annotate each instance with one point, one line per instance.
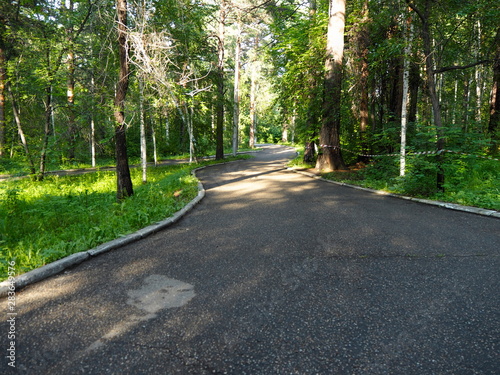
(276, 273)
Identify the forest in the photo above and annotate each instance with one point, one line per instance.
(395, 94)
(200, 76)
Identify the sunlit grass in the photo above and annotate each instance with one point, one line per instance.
(41, 222)
(468, 181)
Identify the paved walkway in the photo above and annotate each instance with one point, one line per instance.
(276, 273)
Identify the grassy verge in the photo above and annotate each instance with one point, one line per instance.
(469, 181)
(41, 222)
(18, 166)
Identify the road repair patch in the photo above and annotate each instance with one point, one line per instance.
(160, 292)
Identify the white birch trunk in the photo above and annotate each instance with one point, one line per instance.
(236, 114)
(404, 105)
(143, 132)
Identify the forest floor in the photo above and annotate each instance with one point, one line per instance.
(274, 272)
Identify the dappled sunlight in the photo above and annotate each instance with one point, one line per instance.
(132, 269)
(54, 289)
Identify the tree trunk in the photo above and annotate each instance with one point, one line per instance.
(363, 48)
(46, 132)
(414, 86)
(331, 158)
(219, 129)
(142, 126)
(404, 104)
(494, 124)
(92, 123)
(431, 84)
(72, 132)
(3, 80)
(123, 181)
(253, 98)
(309, 152)
(17, 118)
(236, 96)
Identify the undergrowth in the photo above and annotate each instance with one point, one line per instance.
(469, 180)
(41, 222)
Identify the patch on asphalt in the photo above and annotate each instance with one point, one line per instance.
(160, 292)
(157, 293)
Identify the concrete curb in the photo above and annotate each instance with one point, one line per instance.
(60, 265)
(450, 206)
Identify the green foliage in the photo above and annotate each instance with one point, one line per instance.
(470, 181)
(45, 221)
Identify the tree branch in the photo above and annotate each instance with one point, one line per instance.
(416, 10)
(460, 67)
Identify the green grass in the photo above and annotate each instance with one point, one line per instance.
(469, 181)
(41, 222)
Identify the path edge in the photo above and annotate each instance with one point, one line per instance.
(447, 205)
(72, 260)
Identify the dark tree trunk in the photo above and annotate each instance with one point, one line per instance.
(3, 79)
(72, 131)
(493, 126)
(123, 181)
(363, 50)
(431, 83)
(46, 132)
(414, 86)
(309, 152)
(219, 126)
(331, 157)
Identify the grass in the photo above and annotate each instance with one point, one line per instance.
(469, 181)
(41, 222)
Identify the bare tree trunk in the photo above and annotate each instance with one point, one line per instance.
(331, 158)
(72, 132)
(406, 80)
(431, 83)
(253, 98)
(478, 76)
(142, 126)
(236, 96)
(219, 130)
(155, 152)
(363, 45)
(253, 105)
(46, 131)
(494, 124)
(312, 83)
(124, 186)
(3, 80)
(92, 124)
(17, 118)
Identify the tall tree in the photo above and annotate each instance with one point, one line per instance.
(124, 186)
(424, 15)
(331, 157)
(494, 123)
(236, 93)
(3, 80)
(219, 127)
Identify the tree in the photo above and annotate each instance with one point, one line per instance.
(219, 127)
(331, 157)
(494, 123)
(124, 186)
(424, 15)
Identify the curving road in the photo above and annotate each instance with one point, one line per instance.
(276, 273)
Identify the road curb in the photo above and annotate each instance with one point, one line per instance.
(60, 265)
(450, 206)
